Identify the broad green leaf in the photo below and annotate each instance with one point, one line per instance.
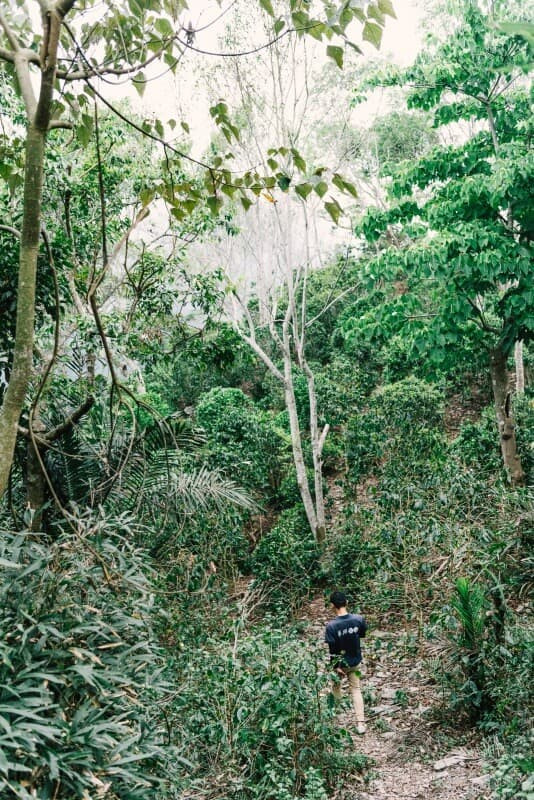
(284, 182)
(279, 25)
(334, 209)
(386, 7)
(139, 82)
(298, 160)
(335, 52)
(321, 188)
(372, 33)
(228, 189)
(146, 196)
(163, 26)
(214, 204)
(303, 189)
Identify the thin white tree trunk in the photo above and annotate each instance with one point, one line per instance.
(519, 368)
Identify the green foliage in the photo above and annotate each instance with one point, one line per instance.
(468, 230)
(355, 560)
(286, 561)
(477, 445)
(401, 136)
(524, 415)
(240, 438)
(400, 431)
(512, 773)
(81, 674)
(266, 731)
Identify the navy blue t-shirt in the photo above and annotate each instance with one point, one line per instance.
(343, 636)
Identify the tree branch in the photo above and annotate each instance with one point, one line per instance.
(10, 36)
(69, 421)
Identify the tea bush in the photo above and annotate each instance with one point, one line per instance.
(477, 444)
(264, 729)
(286, 561)
(400, 433)
(241, 440)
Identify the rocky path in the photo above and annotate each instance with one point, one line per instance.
(415, 756)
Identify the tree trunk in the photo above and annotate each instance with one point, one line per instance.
(35, 480)
(317, 442)
(519, 368)
(298, 455)
(505, 422)
(23, 351)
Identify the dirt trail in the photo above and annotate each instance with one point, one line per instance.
(415, 757)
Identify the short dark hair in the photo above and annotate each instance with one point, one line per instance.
(338, 599)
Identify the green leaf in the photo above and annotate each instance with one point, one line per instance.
(283, 182)
(214, 204)
(386, 7)
(279, 25)
(139, 81)
(334, 209)
(185, 127)
(146, 196)
(321, 188)
(163, 26)
(298, 160)
(372, 33)
(303, 189)
(267, 6)
(343, 185)
(228, 189)
(335, 52)
(246, 203)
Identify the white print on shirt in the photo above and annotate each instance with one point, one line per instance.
(348, 630)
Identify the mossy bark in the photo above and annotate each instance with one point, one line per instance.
(24, 333)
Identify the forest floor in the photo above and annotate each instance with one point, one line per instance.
(414, 753)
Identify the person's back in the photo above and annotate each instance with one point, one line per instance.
(343, 635)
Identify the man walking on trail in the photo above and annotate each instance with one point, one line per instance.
(343, 636)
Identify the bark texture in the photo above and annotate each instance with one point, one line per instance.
(39, 116)
(502, 396)
(23, 351)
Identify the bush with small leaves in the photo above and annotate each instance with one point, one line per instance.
(400, 433)
(241, 440)
(286, 561)
(266, 729)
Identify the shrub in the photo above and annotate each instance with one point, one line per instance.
(286, 561)
(265, 730)
(400, 433)
(477, 443)
(240, 438)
